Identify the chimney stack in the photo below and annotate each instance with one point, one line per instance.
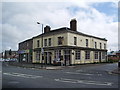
(47, 29)
(73, 24)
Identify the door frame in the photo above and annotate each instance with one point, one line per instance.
(68, 54)
(47, 57)
(100, 58)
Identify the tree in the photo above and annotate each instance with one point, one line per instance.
(2, 55)
(10, 52)
(5, 55)
(112, 52)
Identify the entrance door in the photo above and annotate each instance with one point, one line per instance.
(45, 57)
(49, 57)
(67, 57)
(99, 56)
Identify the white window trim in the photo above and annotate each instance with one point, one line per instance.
(79, 53)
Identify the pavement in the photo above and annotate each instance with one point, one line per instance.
(116, 71)
(36, 66)
(51, 67)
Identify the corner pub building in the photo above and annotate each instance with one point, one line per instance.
(68, 46)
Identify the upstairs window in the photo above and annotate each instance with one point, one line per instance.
(95, 44)
(38, 43)
(104, 46)
(45, 42)
(60, 40)
(100, 46)
(49, 41)
(86, 42)
(27, 44)
(75, 40)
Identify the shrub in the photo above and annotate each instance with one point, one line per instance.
(113, 60)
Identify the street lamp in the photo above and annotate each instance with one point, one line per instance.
(42, 50)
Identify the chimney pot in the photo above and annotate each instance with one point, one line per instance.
(73, 24)
(47, 29)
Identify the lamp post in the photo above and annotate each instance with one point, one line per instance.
(42, 50)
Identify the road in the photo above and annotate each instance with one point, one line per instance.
(82, 76)
(0, 75)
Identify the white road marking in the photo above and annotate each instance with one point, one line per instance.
(78, 73)
(0, 71)
(83, 73)
(79, 70)
(109, 72)
(84, 82)
(14, 82)
(23, 75)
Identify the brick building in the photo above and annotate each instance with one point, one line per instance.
(25, 51)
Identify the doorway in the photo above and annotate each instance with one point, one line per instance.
(67, 57)
(47, 57)
(99, 56)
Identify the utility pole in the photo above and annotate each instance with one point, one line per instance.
(10, 53)
(42, 50)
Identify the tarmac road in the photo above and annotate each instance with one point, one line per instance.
(82, 76)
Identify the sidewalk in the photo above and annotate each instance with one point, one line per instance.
(116, 71)
(51, 67)
(37, 66)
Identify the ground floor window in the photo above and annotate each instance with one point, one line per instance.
(87, 54)
(77, 55)
(24, 57)
(57, 54)
(96, 55)
(37, 55)
(103, 55)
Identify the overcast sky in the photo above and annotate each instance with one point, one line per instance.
(94, 18)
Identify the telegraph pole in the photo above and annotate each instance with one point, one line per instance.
(42, 50)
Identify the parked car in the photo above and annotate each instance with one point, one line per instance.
(7, 60)
(13, 59)
(1, 59)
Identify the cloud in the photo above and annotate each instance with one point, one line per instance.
(60, 0)
(19, 20)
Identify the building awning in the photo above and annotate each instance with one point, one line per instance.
(23, 51)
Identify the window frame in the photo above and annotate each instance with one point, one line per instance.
(49, 42)
(75, 40)
(87, 55)
(96, 55)
(78, 55)
(38, 43)
(95, 44)
(37, 55)
(103, 55)
(60, 40)
(100, 45)
(45, 42)
(104, 46)
(57, 54)
(86, 42)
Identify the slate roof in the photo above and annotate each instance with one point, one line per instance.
(66, 29)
